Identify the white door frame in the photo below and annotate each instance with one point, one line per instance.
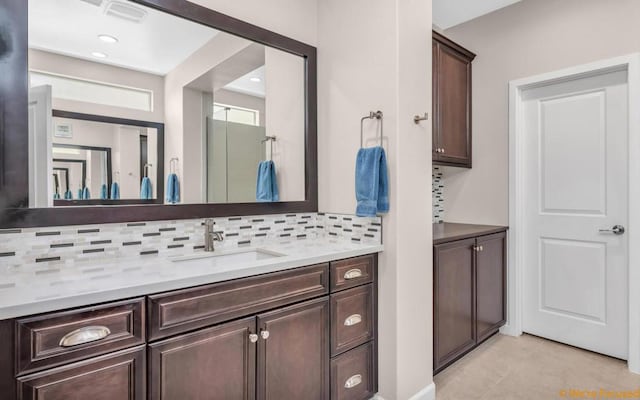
(515, 273)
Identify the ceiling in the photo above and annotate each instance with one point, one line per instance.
(156, 44)
(245, 85)
(448, 13)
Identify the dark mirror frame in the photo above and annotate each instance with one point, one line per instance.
(116, 121)
(14, 93)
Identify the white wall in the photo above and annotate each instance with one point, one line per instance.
(285, 105)
(231, 98)
(375, 55)
(525, 39)
(74, 67)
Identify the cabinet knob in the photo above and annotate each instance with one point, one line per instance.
(264, 334)
(354, 381)
(253, 338)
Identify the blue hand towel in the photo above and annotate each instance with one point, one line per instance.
(267, 185)
(115, 191)
(372, 182)
(56, 196)
(173, 189)
(145, 189)
(103, 192)
(68, 195)
(80, 194)
(86, 195)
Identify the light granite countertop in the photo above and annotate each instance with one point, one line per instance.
(109, 279)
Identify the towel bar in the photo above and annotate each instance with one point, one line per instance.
(372, 115)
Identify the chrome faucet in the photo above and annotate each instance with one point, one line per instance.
(211, 236)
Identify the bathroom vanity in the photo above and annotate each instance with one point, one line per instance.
(309, 331)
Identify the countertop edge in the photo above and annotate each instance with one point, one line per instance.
(95, 298)
(489, 230)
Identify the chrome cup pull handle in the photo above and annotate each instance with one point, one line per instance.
(84, 335)
(353, 320)
(353, 274)
(354, 381)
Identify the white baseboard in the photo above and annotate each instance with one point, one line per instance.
(428, 393)
(510, 331)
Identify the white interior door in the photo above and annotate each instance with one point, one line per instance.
(40, 148)
(575, 275)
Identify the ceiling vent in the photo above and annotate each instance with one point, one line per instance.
(126, 11)
(97, 3)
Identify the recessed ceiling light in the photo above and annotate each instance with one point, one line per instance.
(108, 38)
(98, 54)
(255, 79)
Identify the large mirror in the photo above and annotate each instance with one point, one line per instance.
(129, 104)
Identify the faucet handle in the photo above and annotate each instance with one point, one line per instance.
(217, 235)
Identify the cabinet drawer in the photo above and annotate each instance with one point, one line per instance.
(352, 318)
(353, 374)
(53, 339)
(118, 376)
(352, 272)
(184, 310)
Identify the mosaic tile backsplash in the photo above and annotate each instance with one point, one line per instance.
(83, 244)
(437, 195)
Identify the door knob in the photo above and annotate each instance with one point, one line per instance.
(264, 334)
(253, 338)
(616, 230)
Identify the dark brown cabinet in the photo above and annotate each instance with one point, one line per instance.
(118, 376)
(216, 363)
(302, 333)
(293, 351)
(469, 295)
(451, 103)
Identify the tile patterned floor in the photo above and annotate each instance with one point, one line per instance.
(529, 367)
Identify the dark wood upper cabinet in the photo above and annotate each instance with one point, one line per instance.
(451, 103)
(491, 284)
(217, 363)
(453, 300)
(293, 359)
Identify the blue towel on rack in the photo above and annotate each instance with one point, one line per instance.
(80, 194)
(267, 186)
(115, 191)
(173, 189)
(372, 182)
(56, 196)
(145, 189)
(86, 194)
(104, 195)
(68, 195)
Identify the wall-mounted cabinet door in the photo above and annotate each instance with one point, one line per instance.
(491, 284)
(452, 103)
(217, 363)
(454, 301)
(293, 352)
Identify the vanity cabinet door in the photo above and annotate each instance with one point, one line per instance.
(117, 376)
(491, 284)
(217, 363)
(293, 352)
(454, 301)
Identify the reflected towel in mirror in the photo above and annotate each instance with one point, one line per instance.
(86, 194)
(267, 186)
(68, 195)
(145, 189)
(115, 191)
(104, 195)
(372, 182)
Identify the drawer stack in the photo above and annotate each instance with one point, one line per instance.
(353, 329)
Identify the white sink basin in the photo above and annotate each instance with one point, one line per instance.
(213, 259)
